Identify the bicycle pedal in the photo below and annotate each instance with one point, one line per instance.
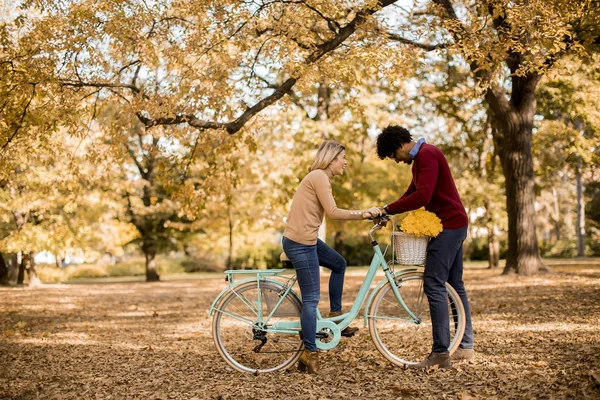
(348, 334)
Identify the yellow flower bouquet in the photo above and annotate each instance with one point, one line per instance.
(410, 243)
(421, 223)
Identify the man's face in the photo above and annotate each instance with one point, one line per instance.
(401, 155)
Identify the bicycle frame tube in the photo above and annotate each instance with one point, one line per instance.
(259, 301)
(390, 279)
(377, 260)
(347, 318)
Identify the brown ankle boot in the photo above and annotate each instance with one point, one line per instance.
(442, 360)
(347, 331)
(309, 361)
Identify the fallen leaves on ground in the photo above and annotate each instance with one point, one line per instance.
(536, 337)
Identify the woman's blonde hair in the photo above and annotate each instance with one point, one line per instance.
(328, 151)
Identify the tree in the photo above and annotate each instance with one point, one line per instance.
(567, 137)
(183, 63)
(444, 107)
(168, 67)
(509, 46)
(50, 204)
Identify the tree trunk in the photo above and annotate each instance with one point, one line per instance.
(58, 260)
(21, 275)
(323, 101)
(28, 263)
(517, 165)
(3, 271)
(580, 225)
(556, 213)
(230, 251)
(493, 243)
(13, 268)
(494, 250)
(513, 120)
(338, 242)
(149, 249)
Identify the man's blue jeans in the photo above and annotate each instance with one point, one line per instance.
(445, 264)
(306, 260)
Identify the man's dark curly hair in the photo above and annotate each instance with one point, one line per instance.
(391, 139)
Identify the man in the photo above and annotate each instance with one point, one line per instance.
(433, 187)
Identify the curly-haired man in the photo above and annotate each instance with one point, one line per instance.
(433, 187)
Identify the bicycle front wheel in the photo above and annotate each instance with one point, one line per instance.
(241, 335)
(396, 335)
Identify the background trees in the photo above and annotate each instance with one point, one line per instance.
(198, 118)
(509, 46)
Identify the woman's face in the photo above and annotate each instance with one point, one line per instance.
(339, 163)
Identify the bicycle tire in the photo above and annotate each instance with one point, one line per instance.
(399, 339)
(236, 340)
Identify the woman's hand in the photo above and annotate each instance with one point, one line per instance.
(371, 213)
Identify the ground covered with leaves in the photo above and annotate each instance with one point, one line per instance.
(536, 337)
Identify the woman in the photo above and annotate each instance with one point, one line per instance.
(312, 200)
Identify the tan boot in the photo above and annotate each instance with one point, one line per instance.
(309, 361)
(442, 360)
(347, 331)
(463, 354)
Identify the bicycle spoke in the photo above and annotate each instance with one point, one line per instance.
(238, 317)
(247, 302)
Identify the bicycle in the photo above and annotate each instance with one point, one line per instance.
(256, 321)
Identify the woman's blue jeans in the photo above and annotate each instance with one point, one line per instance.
(445, 264)
(306, 260)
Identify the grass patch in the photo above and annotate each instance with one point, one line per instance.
(134, 266)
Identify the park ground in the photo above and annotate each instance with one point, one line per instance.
(536, 337)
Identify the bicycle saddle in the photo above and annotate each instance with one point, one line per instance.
(285, 260)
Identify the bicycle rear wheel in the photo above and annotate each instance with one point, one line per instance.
(396, 335)
(240, 335)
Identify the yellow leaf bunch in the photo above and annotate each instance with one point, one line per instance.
(421, 223)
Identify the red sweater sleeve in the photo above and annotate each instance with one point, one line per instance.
(411, 189)
(425, 173)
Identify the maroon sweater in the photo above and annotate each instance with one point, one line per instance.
(432, 187)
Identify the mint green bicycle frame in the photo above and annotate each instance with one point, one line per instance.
(334, 324)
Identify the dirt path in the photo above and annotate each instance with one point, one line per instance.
(536, 337)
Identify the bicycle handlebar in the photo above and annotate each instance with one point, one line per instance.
(378, 223)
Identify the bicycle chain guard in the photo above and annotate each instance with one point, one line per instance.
(334, 335)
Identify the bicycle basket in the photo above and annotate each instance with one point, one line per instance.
(409, 249)
(285, 309)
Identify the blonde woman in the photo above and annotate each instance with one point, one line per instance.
(312, 201)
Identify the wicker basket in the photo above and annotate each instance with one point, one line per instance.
(409, 249)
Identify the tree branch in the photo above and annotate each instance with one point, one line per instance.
(424, 46)
(237, 124)
(234, 126)
(495, 95)
(20, 124)
(123, 68)
(100, 85)
(295, 98)
(139, 166)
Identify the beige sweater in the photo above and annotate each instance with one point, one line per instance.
(312, 201)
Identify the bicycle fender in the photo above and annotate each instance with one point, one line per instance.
(380, 285)
(212, 308)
